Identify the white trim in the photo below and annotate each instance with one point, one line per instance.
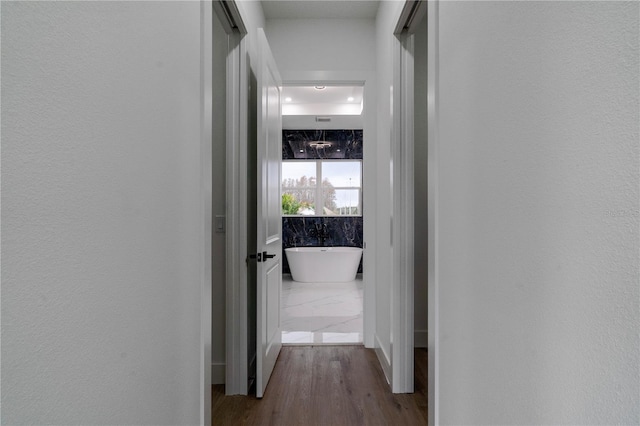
(421, 339)
(319, 202)
(243, 212)
(236, 376)
(236, 242)
(229, 16)
(433, 139)
(369, 172)
(412, 13)
(402, 303)
(218, 373)
(206, 214)
(384, 359)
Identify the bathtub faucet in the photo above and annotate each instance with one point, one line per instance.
(321, 232)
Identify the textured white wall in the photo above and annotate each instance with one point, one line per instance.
(253, 18)
(539, 213)
(322, 44)
(100, 213)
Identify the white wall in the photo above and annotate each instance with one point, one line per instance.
(322, 44)
(101, 268)
(538, 213)
(253, 17)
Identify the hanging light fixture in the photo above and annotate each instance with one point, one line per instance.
(320, 144)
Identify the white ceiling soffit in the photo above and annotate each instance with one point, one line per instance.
(332, 100)
(306, 122)
(319, 9)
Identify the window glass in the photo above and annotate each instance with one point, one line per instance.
(296, 202)
(298, 188)
(339, 193)
(345, 174)
(337, 202)
(297, 174)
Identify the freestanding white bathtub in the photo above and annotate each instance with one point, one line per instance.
(323, 264)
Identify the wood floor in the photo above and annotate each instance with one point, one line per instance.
(327, 385)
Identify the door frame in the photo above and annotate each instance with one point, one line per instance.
(402, 223)
(236, 327)
(402, 302)
(433, 140)
(367, 80)
(237, 218)
(402, 294)
(206, 212)
(413, 14)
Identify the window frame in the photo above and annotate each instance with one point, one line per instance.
(319, 200)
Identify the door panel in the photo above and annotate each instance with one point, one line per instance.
(272, 328)
(274, 156)
(269, 222)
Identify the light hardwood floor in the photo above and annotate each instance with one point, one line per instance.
(327, 385)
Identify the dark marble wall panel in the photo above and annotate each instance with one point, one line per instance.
(321, 144)
(320, 231)
(314, 231)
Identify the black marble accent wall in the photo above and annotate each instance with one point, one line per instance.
(301, 231)
(321, 144)
(310, 231)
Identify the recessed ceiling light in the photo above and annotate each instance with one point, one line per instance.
(288, 99)
(302, 150)
(320, 87)
(350, 99)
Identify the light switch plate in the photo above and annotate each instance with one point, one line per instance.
(219, 224)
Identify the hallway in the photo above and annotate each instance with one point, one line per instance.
(108, 221)
(327, 385)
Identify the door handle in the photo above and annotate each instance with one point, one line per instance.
(266, 255)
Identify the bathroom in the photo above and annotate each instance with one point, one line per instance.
(322, 214)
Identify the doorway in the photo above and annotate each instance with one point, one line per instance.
(396, 325)
(322, 213)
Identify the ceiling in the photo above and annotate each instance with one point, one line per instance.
(306, 103)
(319, 9)
(322, 100)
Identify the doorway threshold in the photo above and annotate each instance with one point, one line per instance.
(320, 338)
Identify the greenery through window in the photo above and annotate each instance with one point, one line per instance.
(322, 188)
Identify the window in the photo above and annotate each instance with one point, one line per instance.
(322, 188)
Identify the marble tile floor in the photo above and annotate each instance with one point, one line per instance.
(321, 313)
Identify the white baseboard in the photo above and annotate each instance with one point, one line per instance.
(218, 373)
(385, 360)
(420, 339)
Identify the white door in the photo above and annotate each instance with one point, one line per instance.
(269, 222)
